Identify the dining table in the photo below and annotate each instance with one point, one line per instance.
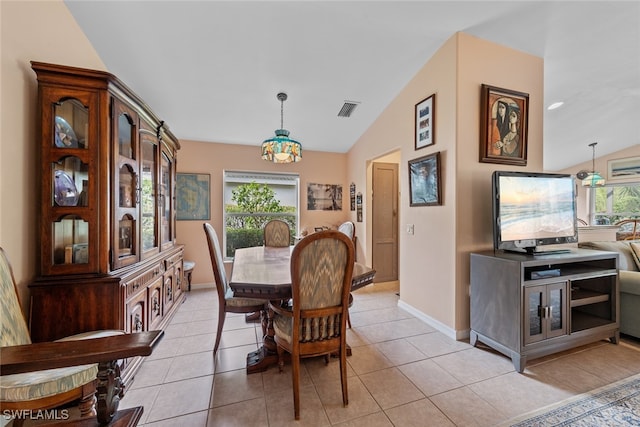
(264, 272)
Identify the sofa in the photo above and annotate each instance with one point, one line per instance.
(629, 276)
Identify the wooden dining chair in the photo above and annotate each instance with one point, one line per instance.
(277, 233)
(227, 302)
(315, 322)
(40, 376)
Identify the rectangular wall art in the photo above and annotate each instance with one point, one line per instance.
(425, 122)
(193, 196)
(424, 181)
(624, 168)
(324, 197)
(503, 126)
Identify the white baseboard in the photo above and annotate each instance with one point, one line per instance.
(451, 333)
(203, 285)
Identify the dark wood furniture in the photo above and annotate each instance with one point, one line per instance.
(316, 322)
(264, 272)
(188, 271)
(529, 306)
(107, 209)
(104, 351)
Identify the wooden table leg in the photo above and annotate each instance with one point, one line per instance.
(267, 355)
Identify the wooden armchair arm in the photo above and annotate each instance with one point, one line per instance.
(61, 354)
(104, 351)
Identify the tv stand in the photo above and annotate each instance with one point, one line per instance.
(527, 306)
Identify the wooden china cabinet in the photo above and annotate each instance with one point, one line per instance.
(108, 257)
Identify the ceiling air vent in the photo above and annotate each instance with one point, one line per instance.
(347, 108)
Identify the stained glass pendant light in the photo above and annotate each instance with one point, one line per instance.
(281, 148)
(593, 178)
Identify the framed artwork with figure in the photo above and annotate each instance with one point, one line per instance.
(504, 117)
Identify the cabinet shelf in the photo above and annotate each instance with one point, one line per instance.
(580, 297)
(582, 321)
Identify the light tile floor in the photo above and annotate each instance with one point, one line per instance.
(402, 373)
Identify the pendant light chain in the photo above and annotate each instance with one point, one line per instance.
(281, 113)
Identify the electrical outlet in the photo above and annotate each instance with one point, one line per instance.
(410, 229)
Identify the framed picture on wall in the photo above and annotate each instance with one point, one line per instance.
(623, 168)
(425, 122)
(193, 196)
(504, 117)
(424, 181)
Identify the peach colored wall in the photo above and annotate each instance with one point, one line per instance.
(41, 31)
(213, 158)
(480, 61)
(434, 261)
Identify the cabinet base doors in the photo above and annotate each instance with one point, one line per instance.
(546, 312)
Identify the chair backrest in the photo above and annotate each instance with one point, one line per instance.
(217, 263)
(348, 228)
(277, 233)
(13, 326)
(321, 272)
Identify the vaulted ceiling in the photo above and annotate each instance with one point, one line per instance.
(212, 69)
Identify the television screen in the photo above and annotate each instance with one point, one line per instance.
(533, 209)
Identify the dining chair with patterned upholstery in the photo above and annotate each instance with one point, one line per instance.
(314, 323)
(277, 233)
(227, 302)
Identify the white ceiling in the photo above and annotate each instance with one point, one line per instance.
(212, 69)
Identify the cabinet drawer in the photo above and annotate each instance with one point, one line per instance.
(142, 280)
(173, 260)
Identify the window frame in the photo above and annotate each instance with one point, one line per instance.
(610, 216)
(242, 177)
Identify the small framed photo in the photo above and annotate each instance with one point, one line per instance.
(504, 117)
(424, 181)
(623, 168)
(425, 122)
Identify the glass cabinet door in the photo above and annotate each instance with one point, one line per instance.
(534, 301)
(545, 312)
(67, 240)
(125, 186)
(148, 196)
(557, 309)
(166, 199)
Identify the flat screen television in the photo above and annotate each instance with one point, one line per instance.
(533, 209)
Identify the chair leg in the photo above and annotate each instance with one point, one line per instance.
(87, 404)
(295, 375)
(280, 357)
(221, 316)
(343, 374)
(348, 320)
